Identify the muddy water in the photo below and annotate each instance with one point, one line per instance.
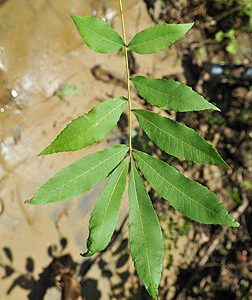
(41, 51)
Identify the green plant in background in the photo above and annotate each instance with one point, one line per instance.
(231, 36)
(190, 198)
(235, 195)
(247, 185)
(247, 9)
(244, 8)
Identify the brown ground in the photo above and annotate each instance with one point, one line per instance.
(40, 54)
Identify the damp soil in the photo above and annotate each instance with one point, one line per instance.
(41, 56)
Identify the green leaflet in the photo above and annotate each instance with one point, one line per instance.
(158, 37)
(146, 241)
(105, 214)
(170, 94)
(81, 176)
(89, 128)
(177, 139)
(98, 35)
(187, 196)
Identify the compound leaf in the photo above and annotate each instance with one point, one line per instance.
(89, 128)
(105, 214)
(158, 37)
(97, 34)
(81, 176)
(187, 196)
(177, 139)
(170, 94)
(146, 241)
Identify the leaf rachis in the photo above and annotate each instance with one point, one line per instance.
(128, 76)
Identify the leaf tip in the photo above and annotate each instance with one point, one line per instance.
(236, 224)
(46, 151)
(231, 222)
(227, 166)
(73, 16)
(153, 291)
(88, 253)
(41, 153)
(215, 108)
(124, 98)
(189, 25)
(76, 19)
(224, 164)
(29, 201)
